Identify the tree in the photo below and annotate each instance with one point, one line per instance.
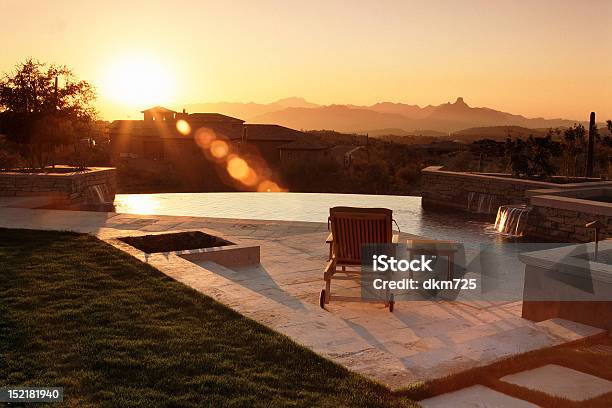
(543, 149)
(43, 107)
(607, 139)
(533, 157)
(517, 153)
(486, 148)
(575, 144)
(373, 177)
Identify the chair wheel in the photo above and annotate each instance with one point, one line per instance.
(322, 299)
(391, 303)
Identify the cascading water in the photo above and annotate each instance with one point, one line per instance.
(98, 194)
(509, 218)
(481, 203)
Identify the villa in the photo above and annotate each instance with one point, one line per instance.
(157, 137)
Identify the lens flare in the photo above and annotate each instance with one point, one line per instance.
(204, 137)
(183, 127)
(219, 149)
(268, 186)
(251, 179)
(238, 168)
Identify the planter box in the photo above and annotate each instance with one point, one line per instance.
(96, 185)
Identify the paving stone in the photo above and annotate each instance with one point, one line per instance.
(561, 382)
(477, 396)
(421, 340)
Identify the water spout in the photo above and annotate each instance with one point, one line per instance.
(508, 220)
(98, 194)
(481, 203)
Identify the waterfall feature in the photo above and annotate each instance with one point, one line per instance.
(482, 203)
(509, 218)
(98, 194)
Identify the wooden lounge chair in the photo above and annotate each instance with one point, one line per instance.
(350, 228)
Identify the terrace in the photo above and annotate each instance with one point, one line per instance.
(423, 340)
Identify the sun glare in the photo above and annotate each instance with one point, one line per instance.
(183, 127)
(138, 82)
(140, 204)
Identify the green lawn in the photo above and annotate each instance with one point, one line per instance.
(77, 313)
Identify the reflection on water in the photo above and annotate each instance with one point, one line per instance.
(484, 253)
(311, 207)
(139, 204)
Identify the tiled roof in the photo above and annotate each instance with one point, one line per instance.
(213, 117)
(158, 109)
(272, 133)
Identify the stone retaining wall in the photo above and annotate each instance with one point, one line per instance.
(451, 189)
(563, 219)
(562, 225)
(73, 188)
(455, 190)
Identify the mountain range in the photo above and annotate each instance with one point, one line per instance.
(380, 118)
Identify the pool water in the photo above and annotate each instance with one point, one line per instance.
(310, 207)
(484, 254)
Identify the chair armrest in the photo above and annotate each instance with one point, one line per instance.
(330, 238)
(395, 239)
(330, 268)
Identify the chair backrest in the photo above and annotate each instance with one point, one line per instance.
(353, 227)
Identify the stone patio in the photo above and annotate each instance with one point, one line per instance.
(475, 396)
(421, 340)
(562, 382)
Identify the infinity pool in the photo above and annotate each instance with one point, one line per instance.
(311, 207)
(482, 247)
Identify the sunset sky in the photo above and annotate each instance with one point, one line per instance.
(536, 58)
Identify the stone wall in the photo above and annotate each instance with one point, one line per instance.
(465, 191)
(562, 225)
(67, 188)
(563, 219)
(449, 189)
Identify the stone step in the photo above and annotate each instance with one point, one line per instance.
(475, 396)
(565, 331)
(560, 381)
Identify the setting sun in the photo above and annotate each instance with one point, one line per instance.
(138, 81)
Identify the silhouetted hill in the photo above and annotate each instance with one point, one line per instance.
(295, 102)
(402, 118)
(459, 115)
(337, 117)
(408, 111)
(402, 132)
(499, 133)
(248, 111)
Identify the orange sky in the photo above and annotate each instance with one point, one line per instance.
(537, 58)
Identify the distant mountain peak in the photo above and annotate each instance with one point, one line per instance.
(461, 102)
(298, 113)
(295, 102)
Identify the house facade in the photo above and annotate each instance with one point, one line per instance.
(158, 136)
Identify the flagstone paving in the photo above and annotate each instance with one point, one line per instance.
(562, 382)
(421, 340)
(475, 396)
